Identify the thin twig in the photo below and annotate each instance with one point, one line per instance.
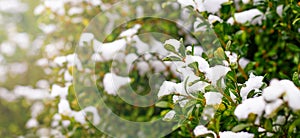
(242, 71)
(226, 96)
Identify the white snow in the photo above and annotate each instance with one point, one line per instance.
(112, 83)
(42, 62)
(199, 86)
(18, 68)
(67, 76)
(214, 18)
(186, 3)
(211, 6)
(73, 60)
(85, 38)
(56, 6)
(79, 116)
(57, 90)
(130, 58)
(243, 62)
(75, 10)
(95, 2)
(174, 43)
(202, 63)
(168, 88)
(254, 16)
(197, 50)
(213, 98)
(279, 10)
(274, 91)
(217, 72)
(97, 57)
(109, 50)
(130, 32)
(285, 88)
(292, 94)
(232, 57)
(202, 130)
(280, 120)
(39, 9)
(229, 134)
(48, 28)
(273, 106)
(13, 6)
(141, 46)
(30, 93)
(94, 111)
(36, 109)
(169, 116)
(7, 95)
(180, 99)
(32, 123)
(22, 39)
(66, 123)
(8, 48)
(253, 83)
(158, 66)
(253, 105)
(198, 28)
(64, 107)
(60, 60)
(254, 1)
(143, 67)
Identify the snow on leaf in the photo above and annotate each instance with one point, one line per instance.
(64, 107)
(57, 90)
(130, 32)
(253, 105)
(213, 98)
(168, 88)
(202, 130)
(254, 16)
(217, 72)
(112, 83)
(169, 116)
(109, 50)
(203, 65)
(254, 82)
(229, 134)
(285, 88)
(272, 106)
(31, 123)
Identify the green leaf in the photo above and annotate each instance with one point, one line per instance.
(170, 48)
(190, 103)
(296, 78)
(231, 76)
(194, 82)
(228, 3)
(240, 127)
(294, 125)
(251, 94)
(194, 66)
(228, 45)
(296, 20)
(182, 48)
(219, 83)
(268, 125)
(172, 58)
(293, 47)
(162, 104)
(219, 53)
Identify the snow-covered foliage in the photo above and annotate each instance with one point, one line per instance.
(223, 69)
